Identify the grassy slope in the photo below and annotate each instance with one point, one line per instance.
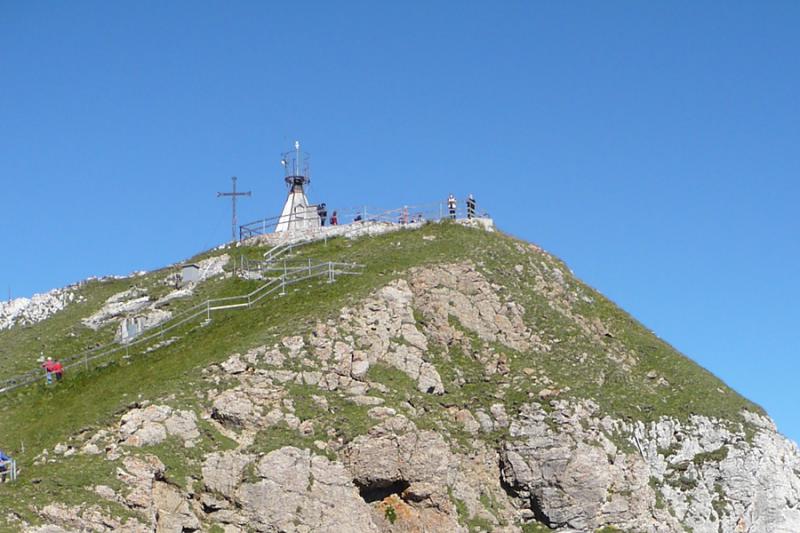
(40, 417)
(60, 334)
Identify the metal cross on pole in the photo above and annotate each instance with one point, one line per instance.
(233, 194)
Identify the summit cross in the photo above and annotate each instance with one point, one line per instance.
(233, 194)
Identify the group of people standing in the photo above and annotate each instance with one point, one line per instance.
(322, 213)
(451, 206)
(53, 369)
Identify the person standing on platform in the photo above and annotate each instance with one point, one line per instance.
(470, 206)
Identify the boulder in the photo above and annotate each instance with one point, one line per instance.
(223, 471)
(173, 513)
(299, 491)
(234, 408)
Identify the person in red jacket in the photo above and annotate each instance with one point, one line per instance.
(58, 370)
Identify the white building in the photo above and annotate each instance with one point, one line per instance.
(298, 213)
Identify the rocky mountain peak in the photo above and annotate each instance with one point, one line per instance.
(490, 392)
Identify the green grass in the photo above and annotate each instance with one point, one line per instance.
(39, 417)
(277, 437)
(60, 335)
(63, 335)
(68, 481)
(535, 527)
(182, 464)
(91, 398)
(716, 456)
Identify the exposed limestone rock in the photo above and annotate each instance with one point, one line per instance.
(177, 294)
(148, 434)
(24, 311)
(120, 304)
(152, 425)
(222, 472)
(132, 326)
(468, 421)
(234, 365)
(212, 266)
(462, 292)
(139, 311)
(709, 471)
(143, 427)
(235, 408)
(183, 425)
(298, 491)
(173, 513)
(140, 473)
(710, 477)
(294, 344)
(394, 452)
(495, 462)
(85, 518)
(376, 326)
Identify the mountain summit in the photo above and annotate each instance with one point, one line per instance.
(459, 380)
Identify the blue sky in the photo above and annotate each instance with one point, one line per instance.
(651, 145)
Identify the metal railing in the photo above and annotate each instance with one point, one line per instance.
(8, 470)
(275, 253)
(268, 225)
(288, 276)
(408, 214)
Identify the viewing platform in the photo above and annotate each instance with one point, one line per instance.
(358, 222)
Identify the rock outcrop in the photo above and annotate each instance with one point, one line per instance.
(26, 311)
(429, 406)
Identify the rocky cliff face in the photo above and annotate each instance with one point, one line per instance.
(24, 311)
(440, 403)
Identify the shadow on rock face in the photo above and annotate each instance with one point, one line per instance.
(378, 491)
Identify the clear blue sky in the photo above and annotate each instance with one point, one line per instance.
(651, 145)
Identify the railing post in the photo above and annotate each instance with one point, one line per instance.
(309, 266)
(283, 279)
(208, 309)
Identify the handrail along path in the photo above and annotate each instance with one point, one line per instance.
(288, 276)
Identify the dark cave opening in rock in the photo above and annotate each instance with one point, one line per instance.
(539, 514)
(376, 492)
(533, 503)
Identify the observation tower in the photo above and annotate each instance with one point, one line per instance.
(297, 212)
